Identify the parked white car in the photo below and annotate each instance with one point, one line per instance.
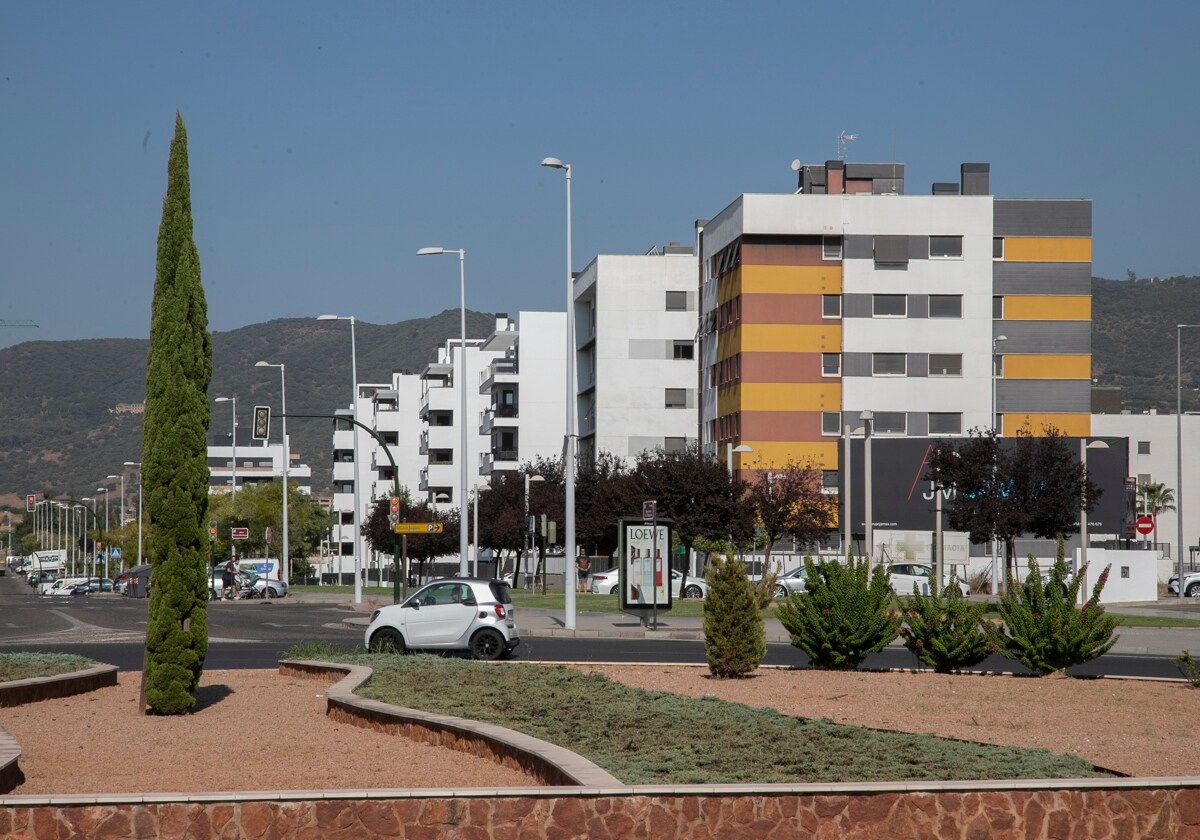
(606, 582)
(62, 586)
(1191, 584)
(904, 576)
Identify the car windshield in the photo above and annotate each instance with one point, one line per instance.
(500, 592)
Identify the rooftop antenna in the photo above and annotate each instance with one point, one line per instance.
(843, 139)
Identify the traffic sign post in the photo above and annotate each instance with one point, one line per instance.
(1144, 524)
(239, 533)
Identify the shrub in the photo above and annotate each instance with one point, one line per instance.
(764, 589)
(844, 614)
(1045, 629)
(734, 638)
(944, 630)
(1187, 666)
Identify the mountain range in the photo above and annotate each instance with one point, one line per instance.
(69, 417)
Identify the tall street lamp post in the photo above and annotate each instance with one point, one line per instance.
(93, 554)
(354, 520)
(232, 446)
(462, 388)
(479, 488)
(569, 455)
(529, 525)
(1179, 328)
(285, 562)
(867, 417)
(997, 369)
(729, 450)
(138, 465)
(121, 500)
(1084, 446)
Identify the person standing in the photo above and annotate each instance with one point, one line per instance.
(582, 567)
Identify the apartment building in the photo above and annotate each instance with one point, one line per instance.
(635, 329)
(524, 391)
(257, 462)
(936, 313)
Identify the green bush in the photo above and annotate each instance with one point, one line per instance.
(764, 589)
(1044, 628)
(1187, 666)
(844, 614)
(734, 638)
(944, 630)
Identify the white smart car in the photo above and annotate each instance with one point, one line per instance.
(449, 614)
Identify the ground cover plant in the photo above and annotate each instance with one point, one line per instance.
(646, 737)
(23, 666)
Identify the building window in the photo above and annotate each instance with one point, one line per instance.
(997, 247)
(945, 247)
(1143, 447)
(677, 301)
(997, 307)
(889, 306)
(831, 422)
(889, 364)
(831, 247)
(945, 306)
(829, 480)
(945, 423)
(998, 366)
(684, 350)
(831, 306)
(831, 364)
(676, 398)
(890, 423)
(945, 364)
(891, 250)
(674, 444)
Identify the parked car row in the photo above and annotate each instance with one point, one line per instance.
(682, 586)
(903, 577)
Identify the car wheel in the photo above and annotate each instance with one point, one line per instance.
(1193, 591)
(387, 640)
(692, 591)
(487, 645)
(212, 594)
(271, 593)
(781, 591)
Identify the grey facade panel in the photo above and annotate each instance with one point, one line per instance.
(886, 186)
(918, 424)
(891, 249)
(875, 170)
(1044, 396)
(856, 306)
(944, 188)
(918, 365)
(1044, 336)
(1042, 217)
(857, 246)
(918, 306)
(918, 247)
(1041, 278)
(975, 178)
(856, 364)
(649, 348)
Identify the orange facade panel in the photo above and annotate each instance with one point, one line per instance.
(782, 309)
(783, 367)
(782, 425)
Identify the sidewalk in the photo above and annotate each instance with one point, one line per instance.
(532, 623)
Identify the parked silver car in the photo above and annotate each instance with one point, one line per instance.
(449, 614)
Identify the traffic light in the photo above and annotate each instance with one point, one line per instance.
(262, 422)
(30, 501)
(212, 530)
(394, 510)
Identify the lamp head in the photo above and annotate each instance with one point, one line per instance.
(741, 447)
(535, 478)
(224, 399)
(553, 163)
(329, 317)
(429, 252)
(867, 415)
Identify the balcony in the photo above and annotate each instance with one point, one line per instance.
(498, 460)
(499, 372)
(504, 416)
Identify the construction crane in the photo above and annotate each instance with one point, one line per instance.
(17, 324)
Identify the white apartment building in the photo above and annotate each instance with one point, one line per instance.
(525, 392)
(635, 320)
(344, 541)
(258, 462)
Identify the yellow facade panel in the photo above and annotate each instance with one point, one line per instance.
(1047, 367)
(791, 338)
(780, 396)
(1047, 249)
(1047, 307)
(1070, 425)
(774, 454)
(729, 343)
(791, 279)
(729, 286)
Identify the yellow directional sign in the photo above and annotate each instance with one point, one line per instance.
(417, 528)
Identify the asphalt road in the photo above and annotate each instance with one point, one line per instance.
(256, 634)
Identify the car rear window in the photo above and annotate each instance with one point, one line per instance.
(500, 592)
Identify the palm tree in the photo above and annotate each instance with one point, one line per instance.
(1153, 498)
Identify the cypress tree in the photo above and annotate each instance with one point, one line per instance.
(735, 641)
(174, 452)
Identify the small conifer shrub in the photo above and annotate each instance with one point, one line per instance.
(734, 639)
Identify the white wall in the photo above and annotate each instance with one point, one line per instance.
(542, 384)
(1132, 578)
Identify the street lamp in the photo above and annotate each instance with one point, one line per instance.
(528, 528)
(93, 501)
(569, 455)
(284, 557)
(462, 387)
(868, 532)
(233, 446)
(1084, 446)
(479, 488)
(121, 511)
(138, 465)
(729, 450)
(1179, 328)
(355, 536)
(992, 422)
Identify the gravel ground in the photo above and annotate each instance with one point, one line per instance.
(257, 730)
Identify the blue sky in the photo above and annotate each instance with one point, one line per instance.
(329, 142)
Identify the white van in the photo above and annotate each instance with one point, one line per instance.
(62, 586)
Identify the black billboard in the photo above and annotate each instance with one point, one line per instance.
(902, 495)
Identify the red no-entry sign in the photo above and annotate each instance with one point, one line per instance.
(1144, 525)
